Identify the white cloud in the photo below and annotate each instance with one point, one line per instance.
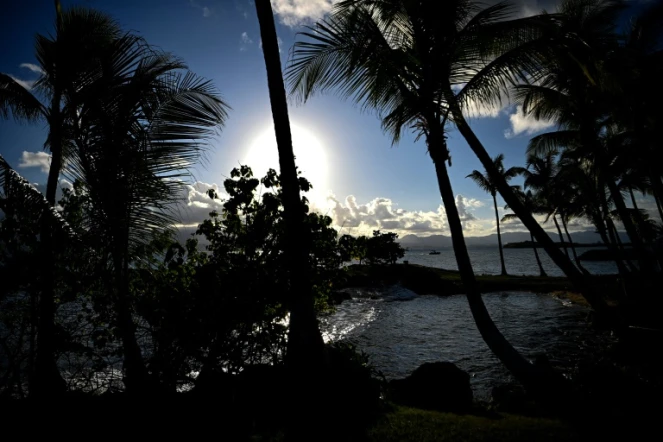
(382, 213)
(207, 12)
(27, 84)
(35, 159)
(33, 68)
(196, 204)
(295, 13)
(521, 123)
(245, 41)
(476, 109)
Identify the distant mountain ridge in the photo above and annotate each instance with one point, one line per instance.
(440, 241)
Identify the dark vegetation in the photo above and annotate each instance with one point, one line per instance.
(103, 312)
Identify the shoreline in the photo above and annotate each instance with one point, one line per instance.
(425, 280)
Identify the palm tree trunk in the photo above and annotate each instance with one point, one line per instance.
(561, 237)
(657, 190)
(536, 255)
(499, 236)
(47, 378)
(643, 257)
(635, 204)
(305, 345)
(563, 262)
(525, 372)
(607, 230)
(659, 206)
(136, 378)
(573, 247)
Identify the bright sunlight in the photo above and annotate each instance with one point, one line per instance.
(310, 157)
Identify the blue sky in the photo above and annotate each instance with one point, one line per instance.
(371, 184)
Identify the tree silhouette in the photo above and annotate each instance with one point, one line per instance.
(486, 184)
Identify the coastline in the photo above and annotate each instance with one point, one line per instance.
(425, 280)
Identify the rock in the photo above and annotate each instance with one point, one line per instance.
(434, 385)
(509, 398)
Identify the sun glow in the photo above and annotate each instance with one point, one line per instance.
(310, 157)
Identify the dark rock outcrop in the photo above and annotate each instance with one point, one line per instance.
(434, 385)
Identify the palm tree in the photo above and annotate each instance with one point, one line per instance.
(139, 128)
(540, 175)
(530, 202)
(305, 344)
(577, 91)
(406, 59)
(486, 184)
(68, 61)
(401, 58)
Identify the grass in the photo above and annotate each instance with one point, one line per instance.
(412, 424)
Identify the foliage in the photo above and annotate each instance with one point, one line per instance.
(380, 249)
(226, 307)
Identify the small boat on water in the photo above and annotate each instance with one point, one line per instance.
(433, 252)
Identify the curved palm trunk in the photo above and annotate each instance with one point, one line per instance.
(635, 204)
(305, 345)
(562, 261)
(136, 378)
(657, 190)
(643, 257)
(603, 232)
(47, 378)
(536, 255)
(525, 372)
(561, 237)
(624, 266)
(573, 247)
(499, 236)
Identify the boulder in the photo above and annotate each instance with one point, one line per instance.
(510, 398)
(434, 385)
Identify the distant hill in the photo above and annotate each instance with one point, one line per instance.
(441, 241)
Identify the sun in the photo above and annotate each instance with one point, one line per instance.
(310, 157)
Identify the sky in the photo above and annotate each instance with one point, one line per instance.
(360, 180)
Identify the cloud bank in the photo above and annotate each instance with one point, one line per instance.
(383, 214)
(35, 159)
(527, 124)
(295, 13)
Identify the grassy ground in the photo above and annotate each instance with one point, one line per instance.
(412, 424)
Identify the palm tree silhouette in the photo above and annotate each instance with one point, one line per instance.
(305, 344)
(68, 61)
(531, 203)
(486, 184)
(404, 60)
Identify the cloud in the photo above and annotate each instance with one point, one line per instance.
(295, 13)
(33, 68)
(35, 159)
(245, 41)
(207, 12)
(197, 205)
(521, 123)
(26, 84)
(477, 109)
(383, 214)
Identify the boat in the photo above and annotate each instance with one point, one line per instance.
(433, 252)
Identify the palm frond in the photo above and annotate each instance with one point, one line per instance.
(18, 102)
(22, 195)
(351, 53)
(482, 181)
(551, 142)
